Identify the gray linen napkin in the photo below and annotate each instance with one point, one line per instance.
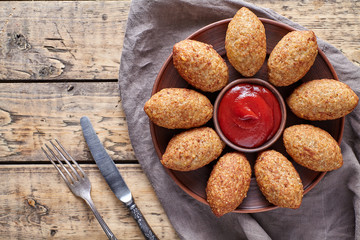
(329, 211)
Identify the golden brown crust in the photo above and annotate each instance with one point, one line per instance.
(229, 183)
(292, 57)
(278, 180)
(312, 147)
(178, 108)
(245, 42)
(200, 65)
(323, 99)
(192, 149)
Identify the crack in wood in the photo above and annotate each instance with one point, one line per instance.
(53, 232)
(58, 31)
(53, 49)
(54, 39)
(70, 87)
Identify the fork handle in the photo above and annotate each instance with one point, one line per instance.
(104, 226)
(140, 220)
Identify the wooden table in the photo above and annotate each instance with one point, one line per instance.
(60, 61)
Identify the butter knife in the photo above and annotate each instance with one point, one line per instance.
(113, 177)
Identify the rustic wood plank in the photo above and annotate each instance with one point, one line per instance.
(50, 40)
(61, 40)
(37, 204)
(33, 113)
(336, 21)
(82, 40)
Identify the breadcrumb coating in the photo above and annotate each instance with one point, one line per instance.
(245, 42)
(278, 180)
(192, 149)
(292, 57)
(324, 99)
(200, 65)
(312, 147)
(229, 183)
(175, 108)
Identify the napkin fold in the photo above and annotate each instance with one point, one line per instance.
(328, 211)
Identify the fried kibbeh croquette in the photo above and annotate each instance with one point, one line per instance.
(324, 99)
(175, 108)
(278, 180)
(192, 149)
(245, 42)
(292, 57)
(312, 147)
(229, 183)
(200, 65)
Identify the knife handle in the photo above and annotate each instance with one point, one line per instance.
(144, 226)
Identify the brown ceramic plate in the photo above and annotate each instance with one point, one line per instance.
(194, 182)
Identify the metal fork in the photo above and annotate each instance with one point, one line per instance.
(78, 183)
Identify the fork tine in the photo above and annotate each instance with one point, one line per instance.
(61, 164)
(57, 168)
(72, 159)
(66, 160)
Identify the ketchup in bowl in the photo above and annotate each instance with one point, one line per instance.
(249, 115)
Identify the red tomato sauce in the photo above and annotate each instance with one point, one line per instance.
(249, 115)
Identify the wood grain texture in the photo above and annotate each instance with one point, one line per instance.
(42, 206)
(73, 45)
(61, 40)
(33, 113)
(83, 40)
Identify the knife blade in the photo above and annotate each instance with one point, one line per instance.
(113, 177)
